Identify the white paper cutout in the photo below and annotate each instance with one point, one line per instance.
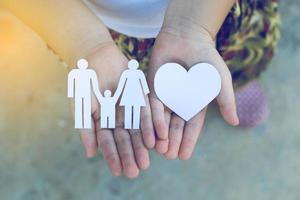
(79, 88)
(134, 87)
(187, 92)
(108, 110)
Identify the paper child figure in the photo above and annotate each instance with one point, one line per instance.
(108, 109)
(133, 97)
(79, 81)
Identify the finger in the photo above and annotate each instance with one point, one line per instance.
(89, 141)
(161, 145)
(160, 125)
(226, 98)
(226, 102)
(140, 151)
(109, 150)
(147, 126)
(191, 133)
(125, 150)
(175, 136)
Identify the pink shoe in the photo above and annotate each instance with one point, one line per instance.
(252, 105)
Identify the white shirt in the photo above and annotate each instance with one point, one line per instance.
(136, 18)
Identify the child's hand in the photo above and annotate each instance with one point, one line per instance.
(124, 151)
(175, 136)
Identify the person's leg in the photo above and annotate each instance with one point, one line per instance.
(87, 112)
(103, 121)
(247, 41)
(128, 117)
(112, 121)
(136, 117)
(78, 113)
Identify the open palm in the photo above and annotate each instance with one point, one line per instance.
(175, 137)
(125, 151)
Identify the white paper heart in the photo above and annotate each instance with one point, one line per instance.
(187, 92)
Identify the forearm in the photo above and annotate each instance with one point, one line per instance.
(192, 15)
(68, 26)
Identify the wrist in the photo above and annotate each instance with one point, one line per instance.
(193, 16)
(89, 46)
(92, 51)
(188, 31)
(108, 62)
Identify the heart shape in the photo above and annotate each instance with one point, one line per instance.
(187, 92)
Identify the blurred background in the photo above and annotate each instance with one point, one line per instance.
(41, 156)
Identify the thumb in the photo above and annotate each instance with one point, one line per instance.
(226, 98)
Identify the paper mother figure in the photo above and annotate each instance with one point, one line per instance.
(133, 86)
(79, 88)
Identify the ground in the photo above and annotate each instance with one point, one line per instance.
(41, 156)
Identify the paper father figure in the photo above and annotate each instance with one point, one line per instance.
(187, 92)
(79, 88)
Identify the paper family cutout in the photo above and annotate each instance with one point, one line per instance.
(187, 92)
(132, 88)
(184, 92)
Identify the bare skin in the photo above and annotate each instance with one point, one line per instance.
(125, 151)
(78, 33)
(177, 138)
(74, 32)
(187, 37)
